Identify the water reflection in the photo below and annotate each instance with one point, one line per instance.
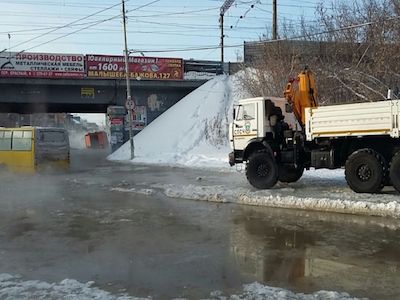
(303, 252)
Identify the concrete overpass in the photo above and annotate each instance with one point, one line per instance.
(32, 95)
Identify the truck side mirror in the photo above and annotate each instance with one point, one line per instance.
(234, 113)
(288, 108)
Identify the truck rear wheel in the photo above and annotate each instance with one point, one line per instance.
(262, 170)
(394, 172)
(290, 174)
(365, 171)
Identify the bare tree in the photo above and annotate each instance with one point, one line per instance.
(353, 48)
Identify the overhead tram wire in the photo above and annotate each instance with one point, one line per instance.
(79, 24)
(45, 28)
(228, 46)
(273, 41)
(64, 26)
(78, 4)
(143, 16)
(182, 49)
(86, 27)
(175, 13)
(193, 26)
(188, 27)
(41, 3)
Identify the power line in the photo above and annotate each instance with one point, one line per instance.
(354, 26)
(38, 29)
(41, 3)
(106, 31)
(184, 13)
(155, 13)
(182, 49)
(64, 26)
(176, 13)
(86, 27)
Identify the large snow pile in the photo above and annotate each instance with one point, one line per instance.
(191, 133)
(13, 287)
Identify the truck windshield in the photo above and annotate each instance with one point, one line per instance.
(246, 112)
(47, 136)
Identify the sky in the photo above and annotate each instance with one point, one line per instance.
(95, 27)
(153, 25)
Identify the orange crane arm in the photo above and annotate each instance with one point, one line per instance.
(301, 93)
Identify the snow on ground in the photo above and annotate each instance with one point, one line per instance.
(320, 190)
(13, 287)
(192, 75)
(192, 133)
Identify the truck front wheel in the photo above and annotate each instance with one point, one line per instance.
(262, 170)
(365, 171)
(395, 171)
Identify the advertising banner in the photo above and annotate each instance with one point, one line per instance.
(113, 67)
(42, 65)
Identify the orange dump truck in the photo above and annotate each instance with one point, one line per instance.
(96, 140)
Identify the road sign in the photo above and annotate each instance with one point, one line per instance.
(130, 104)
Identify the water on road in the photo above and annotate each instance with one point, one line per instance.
(76, 225)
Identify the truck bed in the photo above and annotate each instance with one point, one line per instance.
(359, 119)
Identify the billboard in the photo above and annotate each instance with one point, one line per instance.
(42, 65)
(113, 67)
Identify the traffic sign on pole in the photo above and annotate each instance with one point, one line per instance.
(130, 104)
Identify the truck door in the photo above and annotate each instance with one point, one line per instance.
(245, 125)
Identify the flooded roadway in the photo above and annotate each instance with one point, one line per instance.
(57, 226)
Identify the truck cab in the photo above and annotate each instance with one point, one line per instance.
(257, 120)
(265, 135)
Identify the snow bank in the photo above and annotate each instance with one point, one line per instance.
(259, 291)
(192, 133)
(319, 190)
(192, 75)
(13, 287)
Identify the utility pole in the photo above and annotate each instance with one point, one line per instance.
(128, 84)
(274, 21)
(221, 22)
(227, 4)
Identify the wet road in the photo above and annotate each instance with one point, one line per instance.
(57, 226)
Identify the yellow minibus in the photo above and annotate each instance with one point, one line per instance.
(28, 149)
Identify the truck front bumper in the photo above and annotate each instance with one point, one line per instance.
(235, 157)
(232, 158)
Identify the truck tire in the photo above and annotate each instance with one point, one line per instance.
(262, 170)
(366, 171)
(394, 172)
(290, 174)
